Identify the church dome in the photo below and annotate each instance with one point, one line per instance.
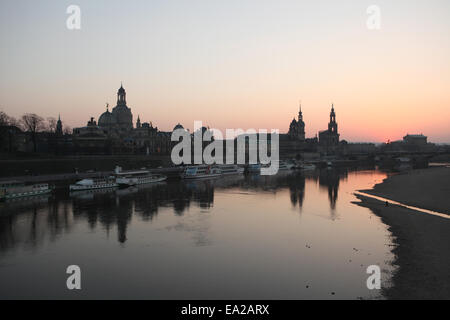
(122, 115)
(106, 119)
(178, 126)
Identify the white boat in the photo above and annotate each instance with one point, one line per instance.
(229, 169)
(201, 172)
(94, 183)
(18, 189)
(137, 177)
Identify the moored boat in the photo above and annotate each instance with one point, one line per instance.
(137, 177)
(18, 189)
(94, 183)
(200, 172)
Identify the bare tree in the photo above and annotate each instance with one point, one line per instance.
(67, 129)
(51, 123)
(14, 122)
(6, 131)
(33, 124)
(4, 119)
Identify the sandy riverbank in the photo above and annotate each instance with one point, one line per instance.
(422, 241)
(424, 188)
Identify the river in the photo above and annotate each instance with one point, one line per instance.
(289, 236)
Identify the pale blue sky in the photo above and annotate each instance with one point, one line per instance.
(233, 63)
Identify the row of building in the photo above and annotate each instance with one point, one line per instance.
(115, 133)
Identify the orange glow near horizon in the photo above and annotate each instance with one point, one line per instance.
(235, 65)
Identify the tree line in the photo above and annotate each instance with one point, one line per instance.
(30, 123)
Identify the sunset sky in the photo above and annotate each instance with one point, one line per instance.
(233, 64)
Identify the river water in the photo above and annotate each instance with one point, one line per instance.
(289, 236)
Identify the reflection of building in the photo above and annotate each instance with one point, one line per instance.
(329, 139)
(329, 179)
(114, 133)
(296, 189)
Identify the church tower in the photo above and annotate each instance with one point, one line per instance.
(138, 123)
(121, 114)
(59, 130)
(297, 127)
(332, 126)
(301, 124)
(121, 96)
(329, 139)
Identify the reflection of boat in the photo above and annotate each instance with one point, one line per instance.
(126, 191)
(200, 172)
(228, 169)
(23, 202)
(89, 194)
(254, 168)
(308, 166)
(305, 166)
(95, 183)
(134, 178)
(284, 165)
(17, 189)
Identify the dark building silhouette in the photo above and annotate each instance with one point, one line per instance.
(329, 139)
(297, 127)
(114, 133)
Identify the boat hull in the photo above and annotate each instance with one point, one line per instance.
(128, 182)
(8, 196)
(74, 187)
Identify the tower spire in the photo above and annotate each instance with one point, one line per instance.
(300, 113)
(138, 122)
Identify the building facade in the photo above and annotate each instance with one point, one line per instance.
(418, 140)
(329, 139)
(297, 127)
(114, 133)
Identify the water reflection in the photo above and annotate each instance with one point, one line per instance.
(29, 221)
(189, 239)
(329, 180)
